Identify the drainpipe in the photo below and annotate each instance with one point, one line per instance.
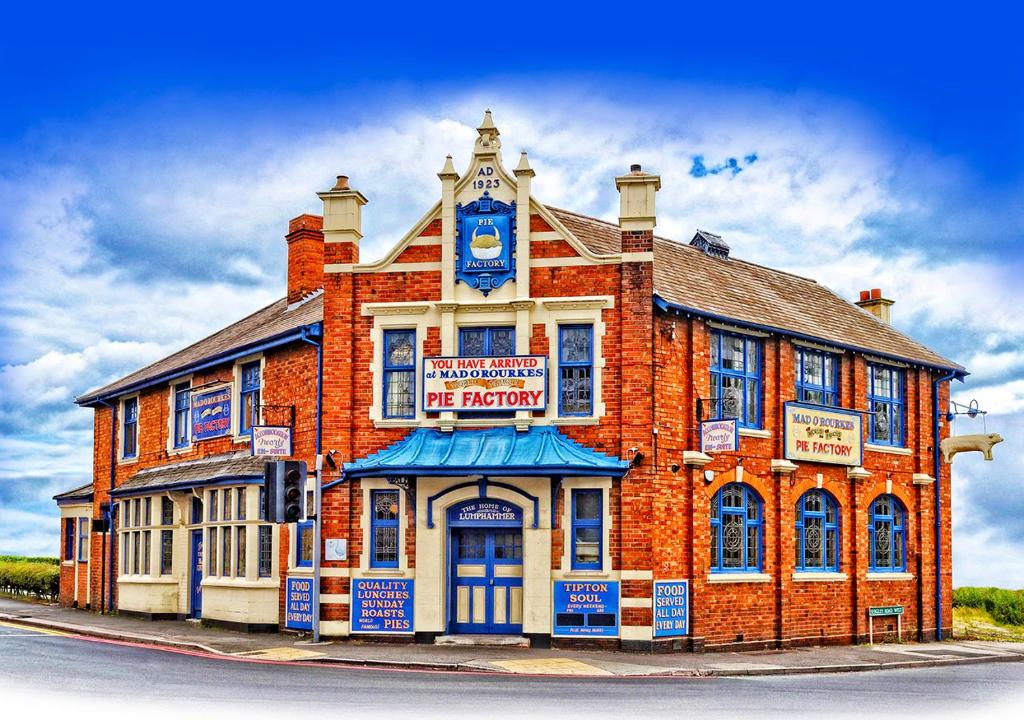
(317, 492)
(109, 563)
(936, 456)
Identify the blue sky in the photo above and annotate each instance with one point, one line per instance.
(150, 159)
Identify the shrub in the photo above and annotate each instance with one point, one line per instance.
(19, 558)
(1005, 606)
(40, 579)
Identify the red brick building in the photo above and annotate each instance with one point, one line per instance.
(536, 423)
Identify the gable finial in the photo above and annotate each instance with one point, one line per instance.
(488, 141)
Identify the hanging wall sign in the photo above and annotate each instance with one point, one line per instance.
(271, 441)
(485, 244)
(475, 384)
(671, 608)
(299, 603)
(382, 605)
(826, 435)
(719, 436)
(587, 608)
(211, 413)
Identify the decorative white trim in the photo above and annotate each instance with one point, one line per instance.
(755, 433)
(636, 632)
(636, 574)
(631, 602)
(637, 256)
(368, 485)
(888, 449)
(394, 308)
(783, 466)
(875, 360)
(695, 458)
(589, 302)
(395, 267)
(735, 329)
(341, 572)
(188, 447)
(121, 459)
(883, 576)
(334, 598)
(857, 473)
(605, 486)
(923, 479)
(338, 267)
(334, 628)
(738, 577)
(820, 577)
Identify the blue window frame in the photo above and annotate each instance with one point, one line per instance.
(304, 544)
(886, 404)
(887, 535)
(129, 429)
(182, 405)
(587, 529)
(817, 532)
(266, 550)
(249, 405)
(736, 378)
(69, 538)
(399, 374)
(83, 539)
(575, 370)
(736, 542)
(384, 528)
(487, 341)
(817, 377)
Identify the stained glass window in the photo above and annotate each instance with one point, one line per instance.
(736, 530)
(817, 377)
(266, 547)
(575, 370)
(399, 373)
(384, 529)
(304, 544)
(736, 378)
(817, 532)
(887, 535)
(587, 530)
(886, 405)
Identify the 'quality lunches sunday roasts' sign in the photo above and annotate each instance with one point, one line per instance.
(513, 382)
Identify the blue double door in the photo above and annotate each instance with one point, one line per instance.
(196, 575)
(486, 587)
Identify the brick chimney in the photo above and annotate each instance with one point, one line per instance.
(305, 240)
(874, 303)
(637, 216)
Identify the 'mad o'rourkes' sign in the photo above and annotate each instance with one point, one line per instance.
(468, 384)
(825, 435)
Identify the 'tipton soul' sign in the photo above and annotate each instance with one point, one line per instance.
(825, 435)
(513, 382)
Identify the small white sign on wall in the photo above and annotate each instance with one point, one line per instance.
(335, 549)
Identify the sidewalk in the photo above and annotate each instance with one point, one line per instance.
(287, 648)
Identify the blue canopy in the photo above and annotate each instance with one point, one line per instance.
(541, 450)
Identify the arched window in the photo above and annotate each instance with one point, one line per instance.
(817, 532)
(888, 535)
(735, 530)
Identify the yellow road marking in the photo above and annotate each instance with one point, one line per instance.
(44, 631)
(280, 653)
(550, 666)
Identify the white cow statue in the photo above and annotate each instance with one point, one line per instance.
(970, 443)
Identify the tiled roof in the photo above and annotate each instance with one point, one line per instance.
(541, 450)
(274, 320)
(733, 289)
(190, 473)
(81, 494)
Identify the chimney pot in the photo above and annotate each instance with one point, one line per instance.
(865, 295)
(876, 293)
(635, 168)
(342, 183)
(872, 301)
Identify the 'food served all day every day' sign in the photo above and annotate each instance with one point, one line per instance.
(513, 382)
(825, 435)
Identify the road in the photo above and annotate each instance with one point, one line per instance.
(93, 678)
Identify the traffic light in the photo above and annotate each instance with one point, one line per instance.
(284, 490)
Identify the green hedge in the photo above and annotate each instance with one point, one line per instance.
(1005, 606)
(19, 558)
(20, 577)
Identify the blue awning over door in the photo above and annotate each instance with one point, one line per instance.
(539, 451)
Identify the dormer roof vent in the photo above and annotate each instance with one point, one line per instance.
(710, 244)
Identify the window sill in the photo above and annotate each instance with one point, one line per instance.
(240, 583)
(301, 570)
(180, 450)
(67, 563)
(397, 422)
(888, 449)
(755, 433)
(240, 439)
(738, 577)
(127, 461)
(581, 420)
(384, 572)
(820, 577)
(882, 576)
(148, 580)
(585, 574)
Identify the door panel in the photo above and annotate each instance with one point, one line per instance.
(486, 580)
(196, 608)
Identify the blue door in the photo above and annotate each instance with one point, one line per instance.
(486, 580)
(196, 609)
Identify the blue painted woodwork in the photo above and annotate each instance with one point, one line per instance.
(485, 243)
(196, 608)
